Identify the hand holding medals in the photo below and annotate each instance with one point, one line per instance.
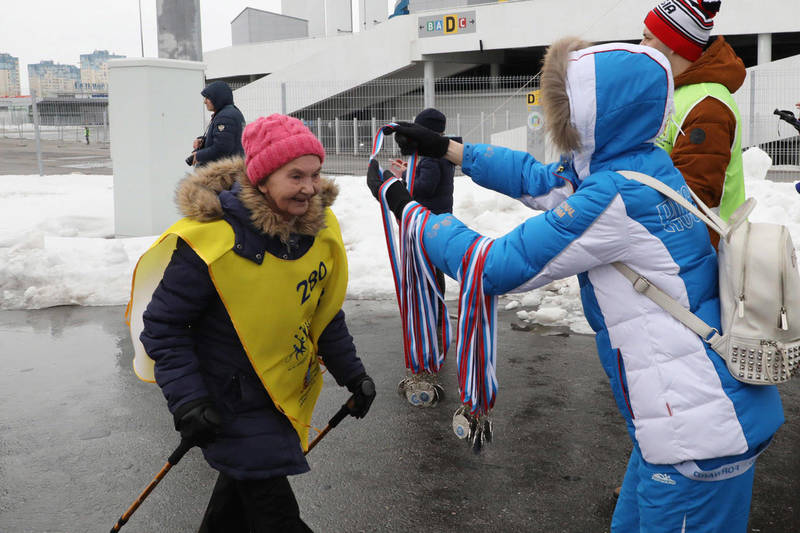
(419, 299)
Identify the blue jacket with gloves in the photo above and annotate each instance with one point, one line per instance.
(679, 400)
(224, 134)
(197, 352)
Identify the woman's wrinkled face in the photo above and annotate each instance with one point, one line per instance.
(291, 188)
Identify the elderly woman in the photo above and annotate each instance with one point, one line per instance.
(249, 299)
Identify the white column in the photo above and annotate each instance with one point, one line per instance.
(154, 111)
(764, 48)
(494, 73)
(428, 84)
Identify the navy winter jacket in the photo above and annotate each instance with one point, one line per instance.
(224, 133)
(433, 184)
(197, 353)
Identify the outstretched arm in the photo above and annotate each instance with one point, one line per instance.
(519, 175)
(514, 173)
(587, 230)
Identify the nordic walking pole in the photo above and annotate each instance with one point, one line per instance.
(173, 459)
(339, 416)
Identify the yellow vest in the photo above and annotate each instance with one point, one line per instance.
(686, 98)
(278, 308)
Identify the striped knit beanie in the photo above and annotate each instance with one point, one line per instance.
(683, 25)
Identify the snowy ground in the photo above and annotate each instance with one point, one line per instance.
(57, 245)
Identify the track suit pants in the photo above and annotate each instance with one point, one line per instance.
(658, 499)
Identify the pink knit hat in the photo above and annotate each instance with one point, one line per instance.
(271, 142)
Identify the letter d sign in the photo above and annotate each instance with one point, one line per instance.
(450, 24)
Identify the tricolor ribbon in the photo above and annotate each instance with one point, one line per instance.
(411, 173)
(476, 352)
(418, 295)
(420, 298)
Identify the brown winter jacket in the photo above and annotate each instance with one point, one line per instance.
(703, 150)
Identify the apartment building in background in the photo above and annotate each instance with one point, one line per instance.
(9, 75)
(94, 71)
(49, 79)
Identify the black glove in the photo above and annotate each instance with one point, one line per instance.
(412, 138)
(198, 422)
(397, 196)
(375, 178)
(363, 389)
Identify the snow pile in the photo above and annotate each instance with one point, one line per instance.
(57, 245)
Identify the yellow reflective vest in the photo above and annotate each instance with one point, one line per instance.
(686, 98)
(279, 308)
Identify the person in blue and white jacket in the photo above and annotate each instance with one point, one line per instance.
(696, 430)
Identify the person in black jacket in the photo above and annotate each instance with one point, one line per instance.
(223, 137)
(433, 183)
(433, 188)
(251, 297)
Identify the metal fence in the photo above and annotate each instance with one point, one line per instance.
(347, 119)
(766, 88)
(345, 115)
(60, 119)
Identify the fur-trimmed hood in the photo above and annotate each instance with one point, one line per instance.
(604, 101)
(198, 197)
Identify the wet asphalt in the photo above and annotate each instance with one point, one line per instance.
(81, 436)
(58, 157)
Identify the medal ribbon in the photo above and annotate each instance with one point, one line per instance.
(418, 295)
(411, 173)
(476, 350)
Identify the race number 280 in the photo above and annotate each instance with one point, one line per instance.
(306, 287)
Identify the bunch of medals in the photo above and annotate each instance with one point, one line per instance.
(421, 306)
(421, 300)
(421, 390)
(476, 429)
(424, 388)
(476, 350)
(419, 297)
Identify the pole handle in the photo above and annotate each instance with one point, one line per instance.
(367, 387)
(180, 451)
(341, 414)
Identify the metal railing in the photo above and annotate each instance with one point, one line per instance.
(347, 119)
(766, 88)
(345, 115)
(60, 119)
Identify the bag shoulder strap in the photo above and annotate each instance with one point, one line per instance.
(643, 286)
(712, 219)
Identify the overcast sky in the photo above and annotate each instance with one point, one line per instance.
(62, 30)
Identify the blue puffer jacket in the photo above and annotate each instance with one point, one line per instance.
(224, 133)
(190, 336)
(676, 394)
